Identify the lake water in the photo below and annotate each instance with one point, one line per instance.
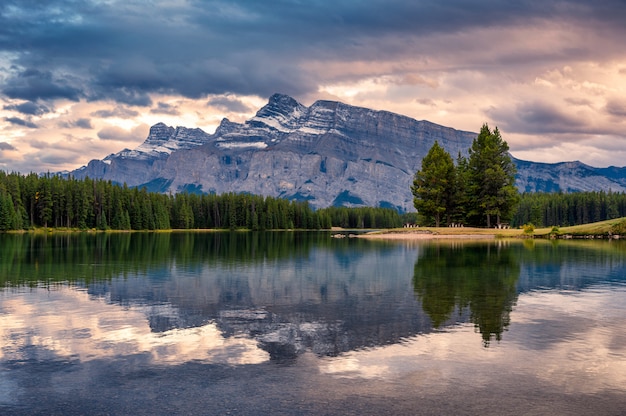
(301, 323)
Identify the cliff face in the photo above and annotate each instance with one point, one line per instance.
(329, 154)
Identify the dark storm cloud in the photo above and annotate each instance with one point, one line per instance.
(124, 50)
(29, 108)
(32, 84)
(6, 146)
(21, 122)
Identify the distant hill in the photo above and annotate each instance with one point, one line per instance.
(329, 154)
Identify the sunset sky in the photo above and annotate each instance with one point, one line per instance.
(80, 79)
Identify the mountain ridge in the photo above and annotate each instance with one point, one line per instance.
(329, 153)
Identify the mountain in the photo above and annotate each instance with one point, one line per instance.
(567, 177)
(329, 154)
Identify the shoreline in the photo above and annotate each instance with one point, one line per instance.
(424, 236)
(479, 234)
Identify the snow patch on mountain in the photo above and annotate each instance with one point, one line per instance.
(241, 145)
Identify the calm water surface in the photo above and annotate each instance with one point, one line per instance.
(301, 323)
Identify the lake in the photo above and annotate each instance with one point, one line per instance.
(301, 323)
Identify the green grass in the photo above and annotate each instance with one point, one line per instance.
(615, 226)
(596, 228)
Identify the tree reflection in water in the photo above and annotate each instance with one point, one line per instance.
(478, 278)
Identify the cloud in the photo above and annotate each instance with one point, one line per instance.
(29, 108)
(6, 146)
(538, 117)
(549, 67)
(39, 154)
(124, 51)
(21, 122)
(40, 144)
(426, 101)
(137, 134)
(165, 108)
(32, 84)
(416, 79)
(616, 107)
(117, 112)
(125, 95)
(546, 118)
(82, 123)
(229, 104)
(57, 157)
(579, 102)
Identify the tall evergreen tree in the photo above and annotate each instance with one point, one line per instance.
(434, 185)
(491, 177)
(8, 217)
(461, 194)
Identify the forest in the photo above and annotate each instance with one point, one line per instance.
(566, 209)
(52, 201)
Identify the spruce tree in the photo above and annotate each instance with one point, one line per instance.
(491, 177)
(434, 185)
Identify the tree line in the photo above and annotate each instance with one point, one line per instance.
(29, 201)
(566, 209)
(363, 217)
(476, 191)
(53, 201)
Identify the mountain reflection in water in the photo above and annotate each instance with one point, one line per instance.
(291, 292)
(288, 322)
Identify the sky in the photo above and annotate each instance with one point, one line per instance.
(80, 79)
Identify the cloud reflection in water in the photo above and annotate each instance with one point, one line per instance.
(68, 323)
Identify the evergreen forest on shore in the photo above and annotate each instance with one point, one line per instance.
(52, 201)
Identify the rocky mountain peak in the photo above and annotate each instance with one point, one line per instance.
(326, 105)
(281, 113)
(226, 126)
(330, 153)
(159, 134)
(281, 103)
(164, 139)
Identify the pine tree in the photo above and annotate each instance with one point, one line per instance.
(434, 185)
(7, 211)
(491, 177)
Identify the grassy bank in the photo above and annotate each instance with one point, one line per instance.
(599, 229)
